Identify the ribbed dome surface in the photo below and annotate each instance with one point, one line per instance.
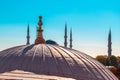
(53, 60)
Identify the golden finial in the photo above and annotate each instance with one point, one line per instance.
(40, 39)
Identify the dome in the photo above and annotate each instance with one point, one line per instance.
(53, 60)
(51, 42)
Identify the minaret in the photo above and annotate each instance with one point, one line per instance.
(109, 44)
(71, 38)
(28, 35)
(40, 39)
(65, 37)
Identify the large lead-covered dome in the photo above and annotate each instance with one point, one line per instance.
(53, 60)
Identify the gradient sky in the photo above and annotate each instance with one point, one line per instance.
(89, 19)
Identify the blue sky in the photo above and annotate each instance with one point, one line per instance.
(89, 19)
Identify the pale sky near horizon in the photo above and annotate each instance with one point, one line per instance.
(89, 19)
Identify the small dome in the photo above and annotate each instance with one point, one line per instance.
(51, 42)
(53, 60)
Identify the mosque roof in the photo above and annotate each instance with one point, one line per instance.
(53, 60)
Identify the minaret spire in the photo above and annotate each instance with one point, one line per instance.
(109, 44)
(71, 38)
(28, 35)
(40, 39)
(65, 37)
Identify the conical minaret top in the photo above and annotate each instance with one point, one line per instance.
(65, 36)
(28, 35)
(71, 38)
(109, 44)
(40, 39)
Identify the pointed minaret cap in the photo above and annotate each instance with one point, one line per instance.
(109, 35)
(40, 39)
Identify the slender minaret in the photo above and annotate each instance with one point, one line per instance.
(71, 38)
(65, 37)
(109, 44)
(40, 39)
(28, 35)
